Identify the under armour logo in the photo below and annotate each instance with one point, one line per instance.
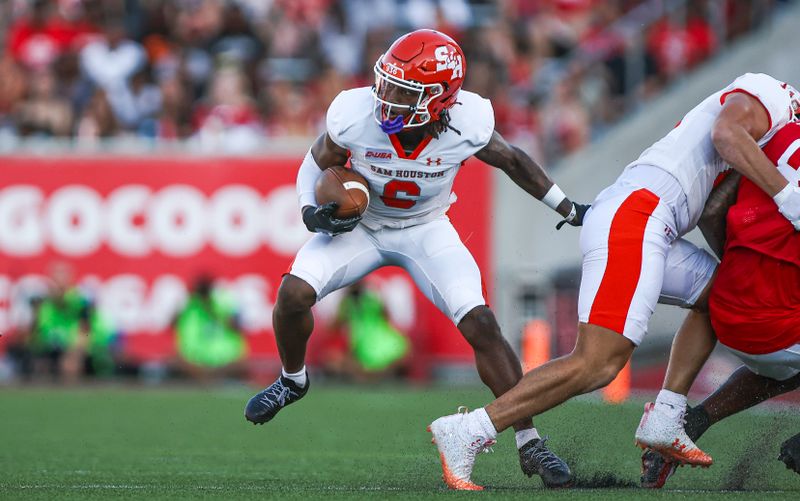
(434, 161)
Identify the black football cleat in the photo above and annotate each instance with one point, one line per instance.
(263, 406)
(536, 459)
(790, 453)
(656, 469)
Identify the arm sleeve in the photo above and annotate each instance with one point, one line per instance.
(307, 180)
(772, 94)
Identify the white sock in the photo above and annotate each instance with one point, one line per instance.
(525, 436)
(480, 424)
(673, 404)
(299, 377)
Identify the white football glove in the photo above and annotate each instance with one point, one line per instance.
(788, 202)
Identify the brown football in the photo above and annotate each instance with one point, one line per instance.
(346, 187)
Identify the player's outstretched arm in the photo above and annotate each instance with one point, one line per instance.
(713, 220)
(741, 123)
(324, 153)
(531, 177)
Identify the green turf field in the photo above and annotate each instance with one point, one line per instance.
(337, 443)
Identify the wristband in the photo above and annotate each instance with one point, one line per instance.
(572, 213)
(554, 197)
(781, 196)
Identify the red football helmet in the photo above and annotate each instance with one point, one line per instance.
(426, 68)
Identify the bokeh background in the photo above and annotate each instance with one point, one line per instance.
(148, 150)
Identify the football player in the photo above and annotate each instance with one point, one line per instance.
(408, 135)
(625, 241)
(754, 308)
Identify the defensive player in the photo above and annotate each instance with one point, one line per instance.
(754, 310)
(408, 136)
(625, 241)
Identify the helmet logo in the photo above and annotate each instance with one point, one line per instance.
(448, 60)
(393, 70)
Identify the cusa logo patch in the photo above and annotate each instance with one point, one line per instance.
(379, 155)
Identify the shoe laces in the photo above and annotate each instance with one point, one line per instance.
(542, 455)
(278, 392)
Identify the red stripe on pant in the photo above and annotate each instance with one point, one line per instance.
(624, 265)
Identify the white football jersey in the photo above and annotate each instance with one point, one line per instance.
(407, 189)
(688, 153)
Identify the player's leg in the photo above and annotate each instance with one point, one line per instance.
(497, 364)
(742, 390)
(323, 265)
(689, 273)
(624, 250)
(480, 328)
(598, 356)
(447, 274)
(624, 241)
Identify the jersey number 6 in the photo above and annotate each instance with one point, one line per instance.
(394, 187)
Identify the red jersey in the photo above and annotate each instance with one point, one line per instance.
(754, 221)
(755, 299)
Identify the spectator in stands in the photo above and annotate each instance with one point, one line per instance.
(677, 46)
(29, 41)
(227, 120)
(174, 121)
(209, 339)
(237, 41)
(146, 103)
(44, 112)
(565, 120)
(110, 63)
(12, 90)
(291, 58)
(98, 121)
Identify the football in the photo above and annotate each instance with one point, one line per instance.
(346, 187)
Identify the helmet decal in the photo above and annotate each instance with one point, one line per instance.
(448, 59)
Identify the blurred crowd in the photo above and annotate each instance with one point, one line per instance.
(232, 75)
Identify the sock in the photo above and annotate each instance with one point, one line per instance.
(480, 424)
(525, 436)
(673, 404)
(299, 378)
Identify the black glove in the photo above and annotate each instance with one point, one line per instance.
(790, 453)
(320, 220)
(575, 217)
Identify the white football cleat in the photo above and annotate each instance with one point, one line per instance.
(665, 434)
(457, 450)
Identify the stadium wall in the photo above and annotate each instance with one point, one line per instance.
(137, 230)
